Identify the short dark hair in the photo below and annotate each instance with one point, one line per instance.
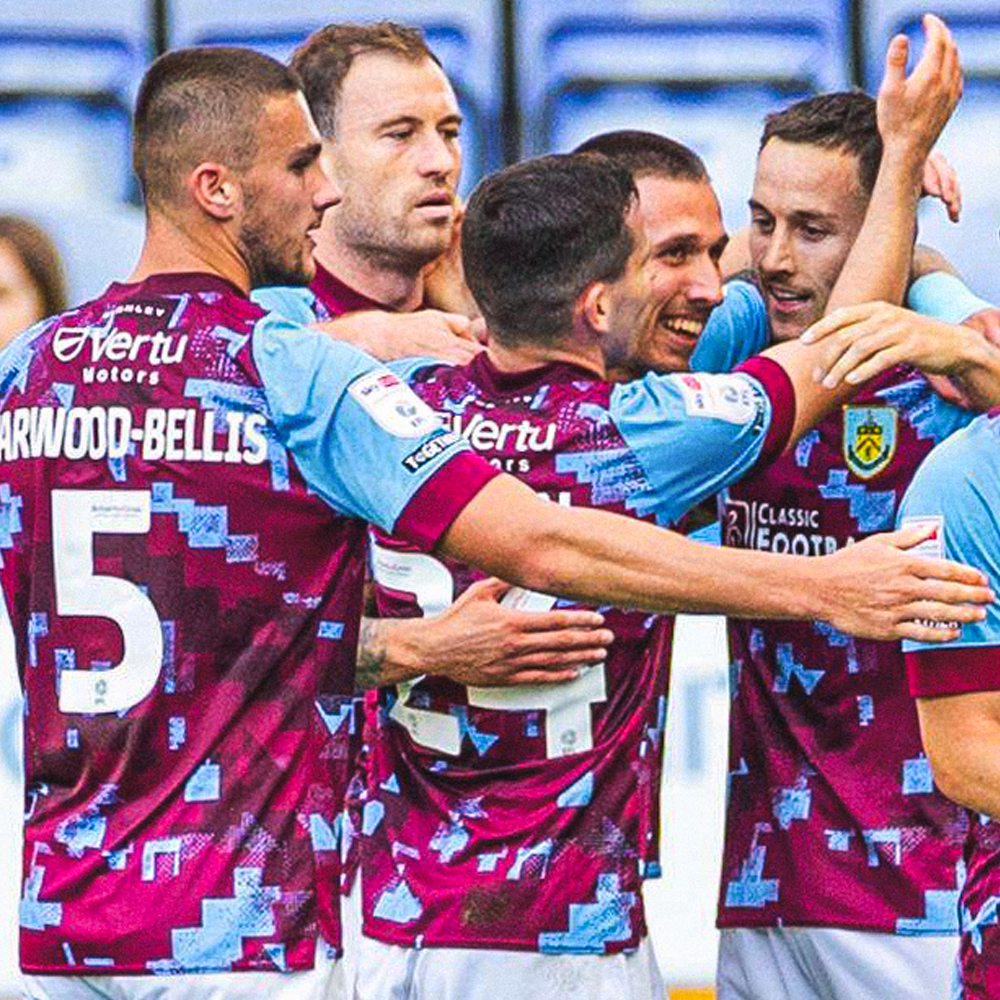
(536, 234)
(201, 104)
(844, 120)
(40, 259)
(643, 153)
(325, 57)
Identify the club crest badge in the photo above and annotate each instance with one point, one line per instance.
(870, 434)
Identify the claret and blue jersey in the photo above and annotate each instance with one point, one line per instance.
(957, 492)
(184, 493)
(527, 818)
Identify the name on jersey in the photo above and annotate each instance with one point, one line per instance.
(484, 434)
(769, 528)
(173, 434)
(122, 348)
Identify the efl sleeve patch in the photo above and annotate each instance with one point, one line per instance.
(393, 405)
(932, 547)
(722, 397)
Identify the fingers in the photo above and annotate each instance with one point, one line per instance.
(538, 677)
(490, 589)
(919, 632)
(895, 61)
(553, 659)
(461, 352)
(946, 571)
(839, 319)
(555, 621)
(941, 611)
(456, 323)
(564, 640)
(941, 181)
(862, 361)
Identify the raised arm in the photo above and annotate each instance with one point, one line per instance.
(912, 110)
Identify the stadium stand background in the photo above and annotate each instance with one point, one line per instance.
(532, 76)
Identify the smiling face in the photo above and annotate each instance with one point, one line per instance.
(397, 159)
(682, 225)
(806, 212)
(285, 192)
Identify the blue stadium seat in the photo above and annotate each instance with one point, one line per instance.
(969, 141)
(974, 23)
(563, 45)
(68, 74)
(464, 36)
(721, 122)
(98, 242)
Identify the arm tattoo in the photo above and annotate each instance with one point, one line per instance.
(371, 655)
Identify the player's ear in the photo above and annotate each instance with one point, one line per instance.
(594, 306)
(215, 190)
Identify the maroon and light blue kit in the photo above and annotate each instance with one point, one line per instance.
(833, 819)
(526, 818)
(957, 490)
(184, 491)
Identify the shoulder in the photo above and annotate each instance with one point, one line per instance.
(297, 304)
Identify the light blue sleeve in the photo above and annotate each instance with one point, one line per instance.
(296, 304)
(736, 330)
(691, 435)
(361, 438)
(943, 296)
(407, 368)
(958, 489)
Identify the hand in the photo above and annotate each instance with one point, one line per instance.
(863, 341)
(480, 643)
(877, 590)
(941, 182)
(389, 336)
(912, 110)
(987, 323)
(444, 278)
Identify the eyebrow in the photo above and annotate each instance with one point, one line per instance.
(800, 215)
(452, 119)
(306, 154)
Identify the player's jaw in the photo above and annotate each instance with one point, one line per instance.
(671, 339)
(790, 308)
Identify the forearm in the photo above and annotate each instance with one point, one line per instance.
(603, 558)
(963, 744)
(388, 652)
(878, 266)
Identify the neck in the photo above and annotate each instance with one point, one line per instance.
(524, 357)
(392, 287)
(171, 247)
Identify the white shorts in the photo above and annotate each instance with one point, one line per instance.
(382, 971)
(825, 963)
(323, 982)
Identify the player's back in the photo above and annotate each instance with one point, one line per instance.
(493, 815)
(179, 639)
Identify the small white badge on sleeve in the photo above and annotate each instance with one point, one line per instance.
(932, 547)
(393, 405)
(723, 397)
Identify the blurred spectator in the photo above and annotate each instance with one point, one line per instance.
(32, 284)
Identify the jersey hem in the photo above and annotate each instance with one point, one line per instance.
(409, 941)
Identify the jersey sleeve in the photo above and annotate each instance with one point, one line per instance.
(957, 490)
(296, 304)
(944, 296)
(736, 330)
(694, 434)
(361, 438)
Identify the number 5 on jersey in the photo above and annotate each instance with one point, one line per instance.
(78, 515)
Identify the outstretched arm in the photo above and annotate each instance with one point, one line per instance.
(870, 589)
